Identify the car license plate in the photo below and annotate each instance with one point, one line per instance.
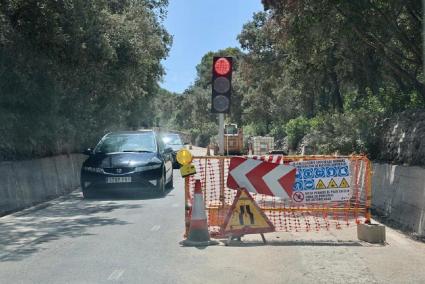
(118, 179)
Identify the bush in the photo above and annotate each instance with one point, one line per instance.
(355, 132)
(296, 129)
(202, 140)
(278, 130)
(254, 129)
(203, 137)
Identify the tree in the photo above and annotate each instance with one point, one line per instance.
(375, 43)
(71, 70)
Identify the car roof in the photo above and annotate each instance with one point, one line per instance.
(131, 132)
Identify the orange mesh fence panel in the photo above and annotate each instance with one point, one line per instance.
(285, 215)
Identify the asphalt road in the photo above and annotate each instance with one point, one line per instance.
(134, 238)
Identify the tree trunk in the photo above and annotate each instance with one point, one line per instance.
(336, 94)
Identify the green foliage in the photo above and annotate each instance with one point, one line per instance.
(278, 130)
(72, 70)
(320, 51)
(321, 73)
(254, 129)
(296, 129)
(347, 133)
(331, 70)
(369, 103)
(318, 73)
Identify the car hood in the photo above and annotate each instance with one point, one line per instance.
(176, 147)
(119, 160)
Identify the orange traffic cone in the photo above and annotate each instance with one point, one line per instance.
(198, 231)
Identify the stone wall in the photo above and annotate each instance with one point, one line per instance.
(398, 194)
(26, 183)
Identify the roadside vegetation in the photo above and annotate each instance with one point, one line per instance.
(318, 73)
(72, 70)
(323, 74)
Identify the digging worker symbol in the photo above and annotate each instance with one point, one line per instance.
(245, 211)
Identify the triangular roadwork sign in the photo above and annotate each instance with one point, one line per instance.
(344, 184)
(245, 217)
(320, 185)
(332, 184)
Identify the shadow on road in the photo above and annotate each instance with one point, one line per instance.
(311, 243)
(128, 194)
(25, 234)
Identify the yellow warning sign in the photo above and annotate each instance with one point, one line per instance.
(187, 170)
(245, 217)
(332, 184)
(184, 157)
(320, 185)
(344, 184)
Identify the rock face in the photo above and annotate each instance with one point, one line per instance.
(403, 139)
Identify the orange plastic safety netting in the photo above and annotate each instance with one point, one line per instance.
(285, 214)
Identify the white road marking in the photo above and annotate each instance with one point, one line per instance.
(155, 228)
(116, 274)
(175, 205)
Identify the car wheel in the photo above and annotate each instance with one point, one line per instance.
(160, 185)
(86, 192)
(170, 184)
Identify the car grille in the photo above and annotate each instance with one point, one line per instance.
(118, 170)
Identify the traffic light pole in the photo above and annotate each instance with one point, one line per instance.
(221, 134)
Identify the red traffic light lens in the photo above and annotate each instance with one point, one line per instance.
(222, 66)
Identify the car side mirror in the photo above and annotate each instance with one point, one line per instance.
(88, 151)
(168, 150)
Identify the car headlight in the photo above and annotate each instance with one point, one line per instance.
(153, 164)
(155, 160)
(93, 170)
(147, 167)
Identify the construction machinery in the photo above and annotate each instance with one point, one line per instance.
(233, 139)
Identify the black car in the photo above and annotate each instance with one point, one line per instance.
(173, 141)
(135, 159)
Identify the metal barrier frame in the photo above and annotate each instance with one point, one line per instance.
(366, 209)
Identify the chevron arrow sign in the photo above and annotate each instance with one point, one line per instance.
(261, 177)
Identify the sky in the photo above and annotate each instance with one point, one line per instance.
(199, 26)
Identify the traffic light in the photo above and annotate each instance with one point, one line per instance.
(221, 84)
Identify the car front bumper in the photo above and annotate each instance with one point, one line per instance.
(145, 179)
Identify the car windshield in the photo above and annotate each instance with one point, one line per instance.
(139, 142)
(172, 139)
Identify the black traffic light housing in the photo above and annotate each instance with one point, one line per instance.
(221, 84)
